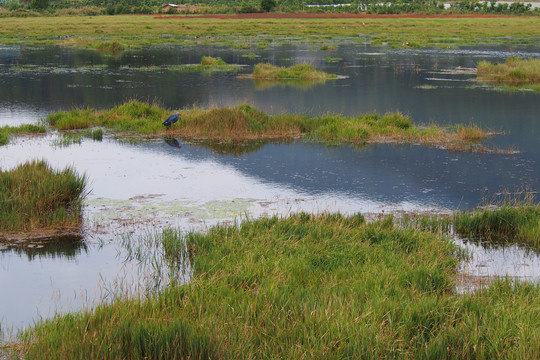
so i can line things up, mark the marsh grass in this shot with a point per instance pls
(244, 122)
(513, 72)
(7, 131)
(34, 198)
(135, 30)
(301, 71)
(208, 64)
(317, 286)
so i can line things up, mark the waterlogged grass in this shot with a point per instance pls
(507, 224)
(208, 64)
(324, 287)
(135, 30)
(7, 131)
(514, 72)
(301, 72)
(35, 198)
(243, 122)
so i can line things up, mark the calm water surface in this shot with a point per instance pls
(154, 184)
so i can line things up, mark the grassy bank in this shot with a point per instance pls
(36, 199)
(244, 122)
(6, 132)
(514, 72)
(301, 71)
(307, 286)
(136, 30)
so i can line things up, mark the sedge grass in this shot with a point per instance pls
(307, 286)
(514, 72)
(507, 224)
(244, 122)
(35, 198)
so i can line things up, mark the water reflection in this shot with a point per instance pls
(60, 247)
(172, 142)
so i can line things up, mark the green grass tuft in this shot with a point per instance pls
(34, 197)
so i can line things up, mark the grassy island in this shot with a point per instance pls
(514, 72)
(300, 72)
(36, 200)
(243, 122)
(316, 286)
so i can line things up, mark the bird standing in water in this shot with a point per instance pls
(172, 119)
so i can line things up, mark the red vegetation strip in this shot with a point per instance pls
(325, 16)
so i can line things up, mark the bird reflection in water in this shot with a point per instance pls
(172, 142)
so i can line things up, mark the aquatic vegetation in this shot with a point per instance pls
(300, 71)
(7, 131)
(244, 122)
(326, 285)
(34, 198)
(332, 59)
(514, 72)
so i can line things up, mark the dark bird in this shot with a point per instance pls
(172, 119)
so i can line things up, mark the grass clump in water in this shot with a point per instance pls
(509, 223)
(325, 285)
(514, 72)
(302, 71)
(7, 131)
(207, 64)
(34, 197)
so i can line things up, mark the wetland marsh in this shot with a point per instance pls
(140, 187)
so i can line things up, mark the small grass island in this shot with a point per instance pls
(37, 201)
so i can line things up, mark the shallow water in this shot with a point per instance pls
(137, 187)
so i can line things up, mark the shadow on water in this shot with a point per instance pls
(68, 247)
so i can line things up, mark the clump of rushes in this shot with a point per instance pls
(301, 71)
(509, 223)
(34, 198)
(211, 61)
(328, 286)
(7, 131)
(244, 122)
(514, 72)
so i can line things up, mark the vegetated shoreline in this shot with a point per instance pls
(329, 285)
(514, 72)
(243, 122)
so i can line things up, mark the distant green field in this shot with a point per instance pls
(137, 30)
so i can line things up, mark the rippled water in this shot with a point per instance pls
(156, 184)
